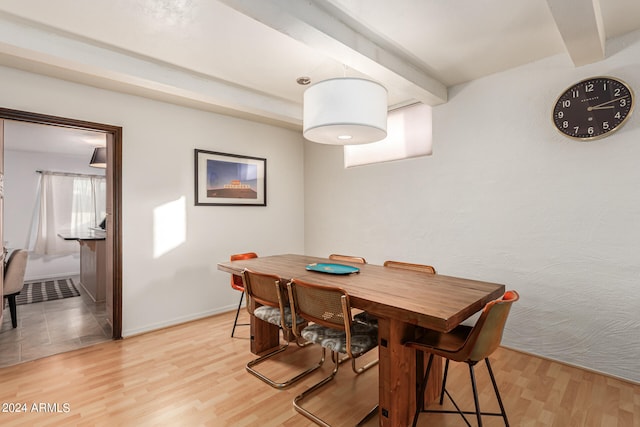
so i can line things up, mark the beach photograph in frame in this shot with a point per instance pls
(229, 179)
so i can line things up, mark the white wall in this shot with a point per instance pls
(21, 194)
(158, 156)
(506, 198)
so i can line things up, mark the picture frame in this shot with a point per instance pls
(223, 179)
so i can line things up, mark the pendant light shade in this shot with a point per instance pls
(345, 111)
(99, 158)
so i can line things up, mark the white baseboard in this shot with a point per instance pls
(127, 333)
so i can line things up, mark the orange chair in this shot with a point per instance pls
(238, 285)
(347, 258)
(469, 345)
(408, 266)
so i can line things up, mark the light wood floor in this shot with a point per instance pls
(193, 374)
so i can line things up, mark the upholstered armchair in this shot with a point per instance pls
(14, 280)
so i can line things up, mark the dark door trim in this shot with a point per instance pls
(115, 171)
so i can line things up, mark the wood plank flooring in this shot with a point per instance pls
(193, 375)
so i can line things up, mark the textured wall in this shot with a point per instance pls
(506, 198)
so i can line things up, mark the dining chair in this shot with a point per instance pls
(464, 344)
(347, 258)
(238, 285)
(362, 317)
(14, 281)
(328, 310)
(369, 319)
(267, 301)
(409, 266)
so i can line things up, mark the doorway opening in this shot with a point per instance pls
(113, 174)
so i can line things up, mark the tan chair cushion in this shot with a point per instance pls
(14, 272)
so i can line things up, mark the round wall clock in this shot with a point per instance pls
(593, 108)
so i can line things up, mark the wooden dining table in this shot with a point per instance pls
(402, 300)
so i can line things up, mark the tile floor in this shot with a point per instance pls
(52, 327)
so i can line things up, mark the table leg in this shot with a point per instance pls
(397, 374)
(432, 393)
(264, 335)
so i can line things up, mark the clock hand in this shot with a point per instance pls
(600, 108)
(609, 102)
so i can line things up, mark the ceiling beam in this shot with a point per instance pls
(339, 36)
(36, 49)
(580, 25)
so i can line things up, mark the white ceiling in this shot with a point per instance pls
(242, 57)
(23, 136)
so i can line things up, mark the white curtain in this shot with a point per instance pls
(68, 204)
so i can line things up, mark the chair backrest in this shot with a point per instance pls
(14, 272)
(325, 305)
(236, 281)
(347, 258)
(264, 289)
(487, 332)
(408, 266)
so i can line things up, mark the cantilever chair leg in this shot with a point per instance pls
(361, 369)
(336, 360)
(290, 381)
(347, 358)
(340, 361)
(299, 398)
(235, 322)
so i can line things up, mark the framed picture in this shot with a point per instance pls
(230, 179)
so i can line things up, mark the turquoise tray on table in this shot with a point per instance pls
(332, 268)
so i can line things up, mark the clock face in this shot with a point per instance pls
(593, 108)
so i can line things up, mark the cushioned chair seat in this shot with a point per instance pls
(363, 338)
(272, 315)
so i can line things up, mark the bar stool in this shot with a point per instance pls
(469, 345)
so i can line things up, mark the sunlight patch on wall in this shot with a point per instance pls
(169, 226)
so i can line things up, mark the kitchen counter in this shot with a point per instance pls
(93, 273)
(89, 234)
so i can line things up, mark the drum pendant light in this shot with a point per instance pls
(345, 111)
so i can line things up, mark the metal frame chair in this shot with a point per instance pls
(329, 309)
(238, 285)
(362, 317)
(267, 290)
(469, 345)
